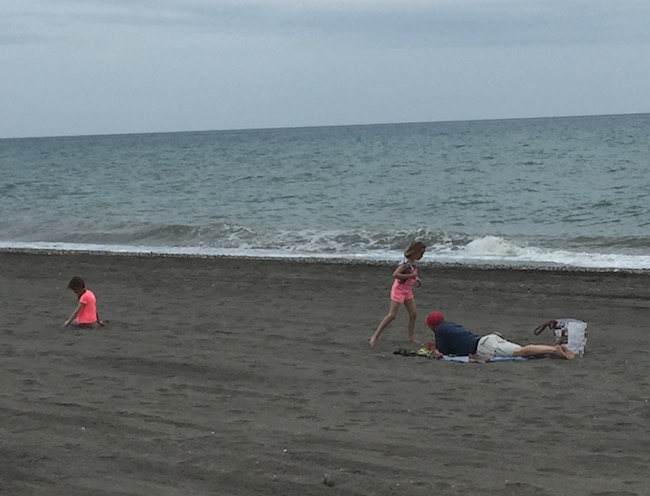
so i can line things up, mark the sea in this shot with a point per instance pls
(564, 192)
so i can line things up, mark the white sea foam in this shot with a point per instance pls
(488, 251)
(494, 249)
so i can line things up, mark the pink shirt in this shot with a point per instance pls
(88, 312)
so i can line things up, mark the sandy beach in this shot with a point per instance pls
(249, 377)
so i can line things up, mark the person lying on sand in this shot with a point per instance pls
(453, 339)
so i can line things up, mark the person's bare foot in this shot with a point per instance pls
(562, 351)
(372, 341)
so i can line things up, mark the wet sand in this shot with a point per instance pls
(248, 377)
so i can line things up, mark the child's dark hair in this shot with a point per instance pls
(415, 247)
(76, 283)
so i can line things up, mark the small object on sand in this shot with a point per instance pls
(327, 481)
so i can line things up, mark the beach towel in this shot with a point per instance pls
(426, 352)
(465, 359)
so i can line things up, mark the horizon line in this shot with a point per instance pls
(316, 126)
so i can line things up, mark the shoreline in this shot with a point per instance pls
(487, 266)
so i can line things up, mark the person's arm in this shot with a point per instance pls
(436, 354)
(97, 318)
(434, 351)
(74, 315)
(401, 275)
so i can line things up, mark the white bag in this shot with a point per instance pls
(572, 332)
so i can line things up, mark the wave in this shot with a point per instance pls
(443, 247)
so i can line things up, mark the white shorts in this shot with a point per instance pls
(494, 345)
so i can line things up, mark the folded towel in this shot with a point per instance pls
(465, 359)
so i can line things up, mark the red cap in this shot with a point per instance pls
(434, 319)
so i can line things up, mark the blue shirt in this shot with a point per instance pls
(454, 339)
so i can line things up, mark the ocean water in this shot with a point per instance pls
(571, 192)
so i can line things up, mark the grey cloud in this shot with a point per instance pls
(398, 24)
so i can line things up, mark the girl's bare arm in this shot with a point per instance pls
(74, 315)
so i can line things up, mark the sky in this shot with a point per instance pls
(79, 67)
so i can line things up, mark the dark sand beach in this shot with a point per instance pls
(247, 377)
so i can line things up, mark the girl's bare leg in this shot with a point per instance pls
(392, 313)
(413, 315)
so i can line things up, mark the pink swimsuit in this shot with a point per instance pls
(403, 290)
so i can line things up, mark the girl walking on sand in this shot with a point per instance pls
(406, 276)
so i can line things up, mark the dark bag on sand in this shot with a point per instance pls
(571, 332)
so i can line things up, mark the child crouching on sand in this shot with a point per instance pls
(85, 315)
(406, 276)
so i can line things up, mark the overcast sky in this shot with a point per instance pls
(70, 67)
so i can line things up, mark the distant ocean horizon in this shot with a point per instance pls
(569, 192)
